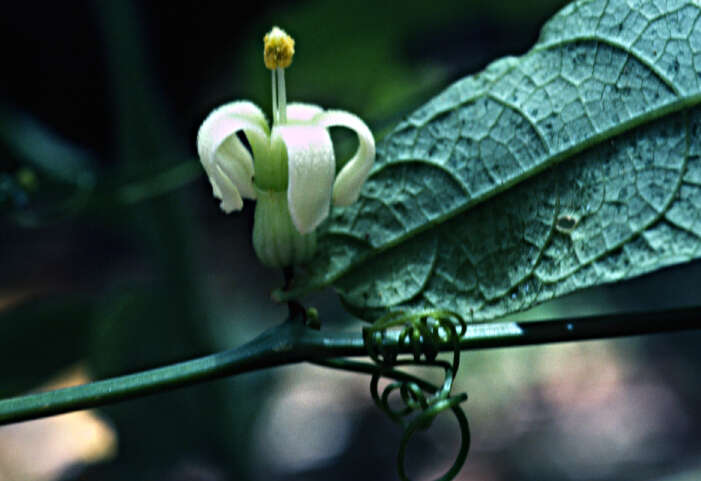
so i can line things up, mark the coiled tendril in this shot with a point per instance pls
(422, 402)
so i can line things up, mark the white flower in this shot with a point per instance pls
(294, 156)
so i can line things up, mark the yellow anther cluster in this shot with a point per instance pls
(279, 49)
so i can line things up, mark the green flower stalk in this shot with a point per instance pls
(292, 170)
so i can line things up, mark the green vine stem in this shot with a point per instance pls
(293, 342)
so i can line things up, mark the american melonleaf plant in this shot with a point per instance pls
(574, 165)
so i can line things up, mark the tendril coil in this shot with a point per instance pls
(421, 401)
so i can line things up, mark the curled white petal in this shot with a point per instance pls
(311, 168)
(227, 162)
(352, 176)
(224, 189)
(245, 109)
(299, 112)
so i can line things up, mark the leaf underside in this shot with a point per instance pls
(577, 164)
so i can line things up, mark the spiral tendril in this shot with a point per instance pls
(422, 333)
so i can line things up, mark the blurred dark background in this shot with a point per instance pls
(115, 257)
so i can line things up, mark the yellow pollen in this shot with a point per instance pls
(278, 49)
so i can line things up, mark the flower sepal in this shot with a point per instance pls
(276, 240)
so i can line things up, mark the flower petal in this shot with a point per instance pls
(224, 189)
(299, 112)
(352, 176)
(311, 167)
(227, 162)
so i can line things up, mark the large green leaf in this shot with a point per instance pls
(574, 165)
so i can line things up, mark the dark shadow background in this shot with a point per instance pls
(115, 256)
